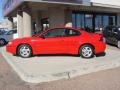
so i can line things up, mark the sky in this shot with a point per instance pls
(1, 13)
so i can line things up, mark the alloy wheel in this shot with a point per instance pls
(24, 51)
(86, 51)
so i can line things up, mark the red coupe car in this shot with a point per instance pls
(62, 40)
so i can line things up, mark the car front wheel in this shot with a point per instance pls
(24, 51)
(86, 51)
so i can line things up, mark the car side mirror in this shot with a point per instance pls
(42, 36)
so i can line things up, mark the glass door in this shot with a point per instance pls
(112, 20)
(93, 22)
(89, 22)
(98, 23)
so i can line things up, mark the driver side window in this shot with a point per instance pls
(70, 32)
(55, 33)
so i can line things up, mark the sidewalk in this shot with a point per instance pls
(48, 68)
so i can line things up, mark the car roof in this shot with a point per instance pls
(62, 27)
(57, 28)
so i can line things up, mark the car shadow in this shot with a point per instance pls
(56, 55)
(101, 54)
(112, 45)
(66, 55)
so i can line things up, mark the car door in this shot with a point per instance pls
(71, 41)
(51, 42)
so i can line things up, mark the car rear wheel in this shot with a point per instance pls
(118, 44)
(86, 51)
(2, 42)
(24, 51)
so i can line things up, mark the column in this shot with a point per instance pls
(20, 24)
(38, 22)
(118, 19)
(10, 23)
(56, 16)
(27, 23)
(68, 18)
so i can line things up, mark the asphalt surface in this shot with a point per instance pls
(103, 80)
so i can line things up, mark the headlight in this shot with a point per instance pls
(10, 43)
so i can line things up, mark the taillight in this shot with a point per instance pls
(101, 39)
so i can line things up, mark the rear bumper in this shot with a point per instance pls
(100, 47)
(11, 49)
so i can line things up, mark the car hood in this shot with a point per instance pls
(23, 40)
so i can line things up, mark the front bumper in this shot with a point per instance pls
(11, 49)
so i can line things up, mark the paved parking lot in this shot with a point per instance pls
(103, 80)
(47, 68)
(9, 80)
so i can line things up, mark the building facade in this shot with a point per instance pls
(5, 24)
(33, 16)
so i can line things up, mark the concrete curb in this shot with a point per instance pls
(69, 73)
(26, 77)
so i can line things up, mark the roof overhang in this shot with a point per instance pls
(105, 5)
(70, 2)
(8, 6)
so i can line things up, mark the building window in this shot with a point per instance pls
(89, 22)
(98, 22)
(93, 21)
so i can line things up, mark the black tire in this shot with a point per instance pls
(88, 53)
(2, 42)
(24, 51)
